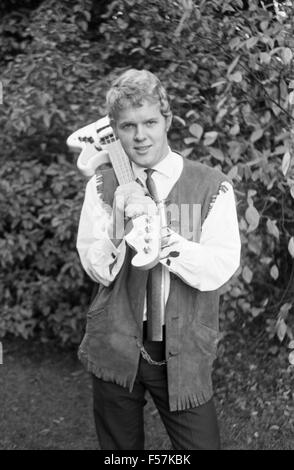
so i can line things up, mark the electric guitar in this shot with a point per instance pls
(144, 237)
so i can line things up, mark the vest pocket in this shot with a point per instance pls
(97, 321)
(207, 309)
(206, 338)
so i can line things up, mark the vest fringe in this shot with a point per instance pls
(105, 374)
(184, 402)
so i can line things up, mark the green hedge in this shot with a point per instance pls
(228, 68)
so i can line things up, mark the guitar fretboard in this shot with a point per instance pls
(118, 158)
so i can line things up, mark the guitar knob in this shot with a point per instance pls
(147, 239)
(148, 228)
(146, 249)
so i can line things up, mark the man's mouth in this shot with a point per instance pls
(143, 148)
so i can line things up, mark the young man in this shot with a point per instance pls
(175, 367)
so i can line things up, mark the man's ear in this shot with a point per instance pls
(168, 121)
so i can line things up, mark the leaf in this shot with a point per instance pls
(279, 150)
(291, 98)
(222, 112)
(247, 274)
(274, 272)
(286, 163)
(292, 191)
(233, 65)
(196, 130)
(190, 140)
(46, 119)
(221, 102)
(291, 246)
(274, 427)
(255, 311)
(287, 55)
(234, 42)
(265, 260)
(291, 344)
(291, 358)
(218, 83)
(209, 137)
(191, 113)
(251, 42)
(233, 173)
(252, 217)
(186, 152)
(217, 153)
(179, 119)
(264, 25)
(284, 310)
(236, 77)
(265, 58)
(256, 135)
(281, 329)
(235, 129)
(272, 228)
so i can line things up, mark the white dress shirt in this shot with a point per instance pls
(206, 265)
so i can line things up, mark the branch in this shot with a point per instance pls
(250, 73)
(188, 7)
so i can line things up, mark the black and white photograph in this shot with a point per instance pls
(147, 227)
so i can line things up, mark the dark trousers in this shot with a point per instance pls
(119, 414)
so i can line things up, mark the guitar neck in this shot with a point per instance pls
(119, 160)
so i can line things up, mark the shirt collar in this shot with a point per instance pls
(164, 167)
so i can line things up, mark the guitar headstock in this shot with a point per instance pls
(144, 238)
(87, 141)
(106, 136)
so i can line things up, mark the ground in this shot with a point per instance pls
(46, 398)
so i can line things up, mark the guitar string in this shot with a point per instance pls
(119, 160)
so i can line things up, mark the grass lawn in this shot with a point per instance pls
(46, 399)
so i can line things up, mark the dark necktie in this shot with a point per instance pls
(155, 291)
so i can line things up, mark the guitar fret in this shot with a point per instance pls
(119, 159)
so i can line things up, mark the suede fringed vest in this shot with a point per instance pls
(111, 345)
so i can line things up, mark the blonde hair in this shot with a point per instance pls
(132, 88)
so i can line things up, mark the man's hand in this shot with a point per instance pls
(130, 201)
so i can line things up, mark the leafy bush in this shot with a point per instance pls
(41, 280)
(228, 68)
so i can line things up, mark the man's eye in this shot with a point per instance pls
(151, 122)
(128, 126)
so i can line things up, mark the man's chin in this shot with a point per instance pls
(143, 160)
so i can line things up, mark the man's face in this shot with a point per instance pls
(143, 133)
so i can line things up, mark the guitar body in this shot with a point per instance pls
(98, 145)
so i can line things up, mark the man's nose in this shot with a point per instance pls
(139, 135)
